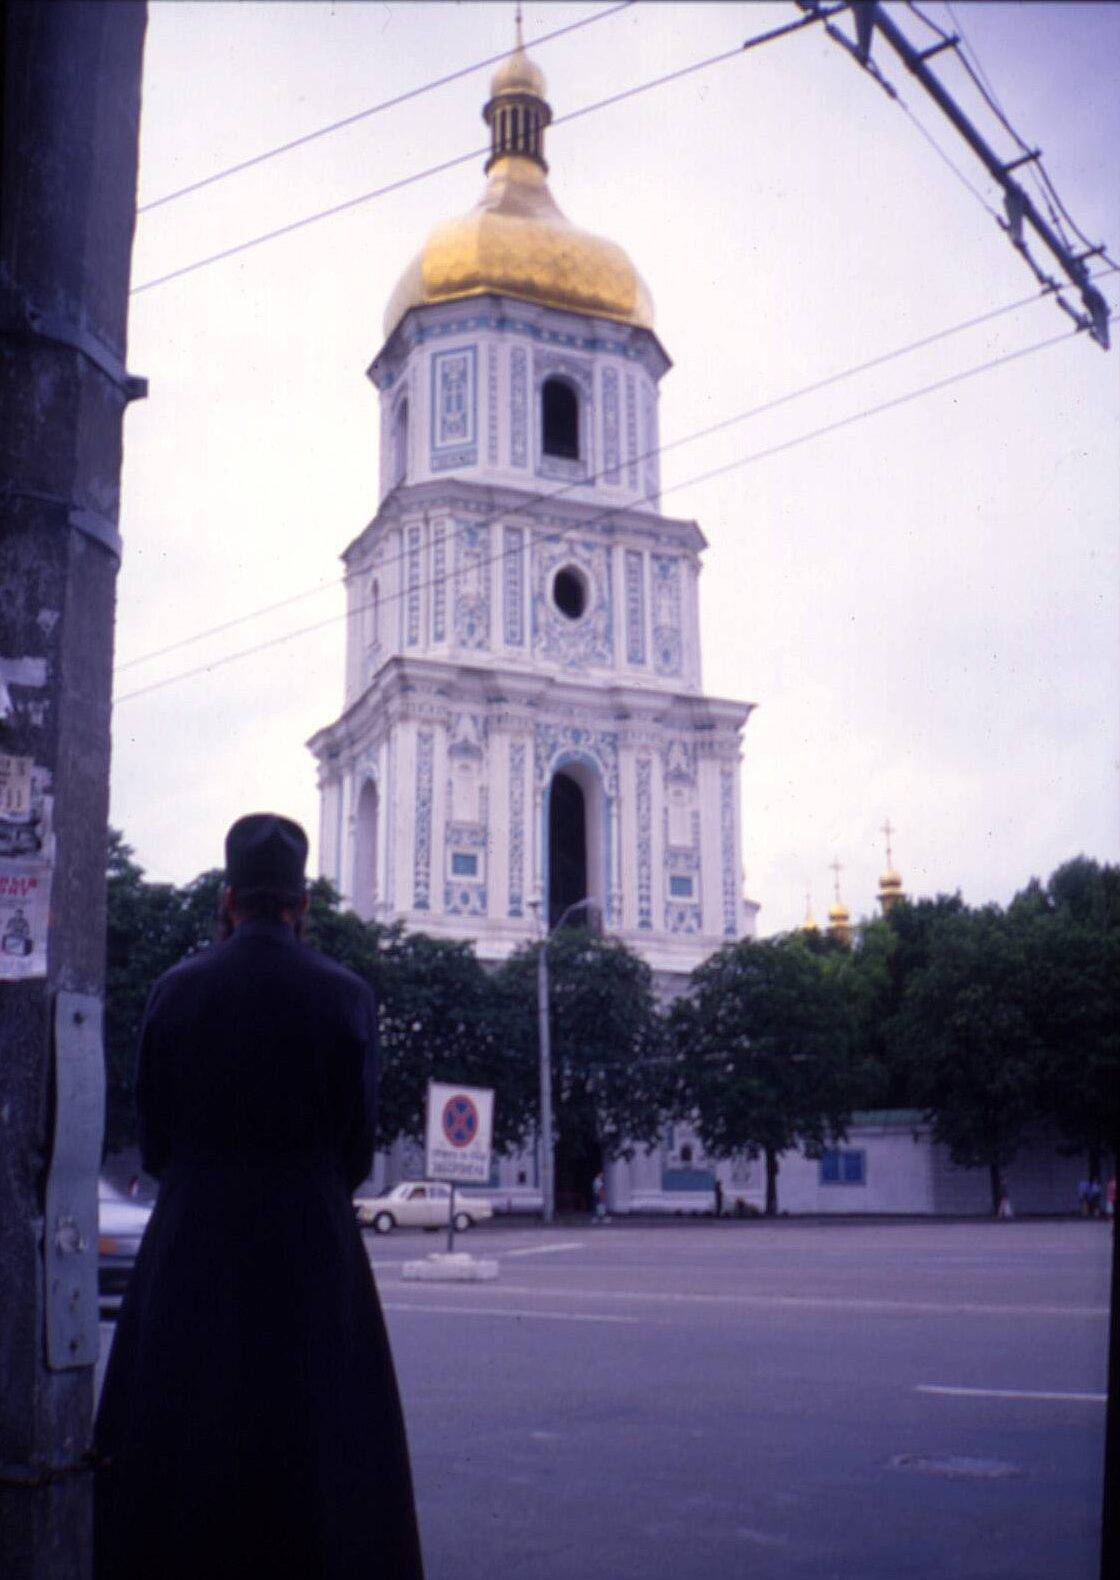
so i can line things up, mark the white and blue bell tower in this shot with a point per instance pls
(523, 716)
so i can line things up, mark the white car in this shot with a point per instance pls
(420, 1204)
(120, 1228)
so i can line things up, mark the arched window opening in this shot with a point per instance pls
(560, 420)
(400, 443)
(373, 613)
(567, 853)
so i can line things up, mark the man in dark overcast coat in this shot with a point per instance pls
(250, 1422)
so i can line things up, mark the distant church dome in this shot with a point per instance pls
(890, 884)
(515, 241)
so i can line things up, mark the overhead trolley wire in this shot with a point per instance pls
(545, 497)
(1043, 182)
(477, 153)
(825, 429)
(373, 109)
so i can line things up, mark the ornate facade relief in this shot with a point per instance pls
(516, 828)
(513, 586)
(635, 607)
(518, 407)
(412, 583)
(665, 599)
(727, 852)
(439, 582)
(644, 810)
(454, 402)
(472, 586)
(611, 434)
(422, 849)
(576, 643)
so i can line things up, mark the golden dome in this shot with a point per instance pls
(891, 880)
(515, 241)
(518, 74)
(838, 915)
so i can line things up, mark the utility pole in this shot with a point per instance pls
(869, 17)
(68, 154)
(544, 1045)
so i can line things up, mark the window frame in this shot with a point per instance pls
(560, 381)
(843, 1157)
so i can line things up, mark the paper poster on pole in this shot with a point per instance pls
(25, 894)
(459, 1133)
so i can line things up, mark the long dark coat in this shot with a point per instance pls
(250, 1423)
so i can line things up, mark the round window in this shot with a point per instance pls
(569, 592)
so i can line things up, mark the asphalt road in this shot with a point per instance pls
(803, 1401)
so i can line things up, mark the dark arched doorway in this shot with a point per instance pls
(567, 848)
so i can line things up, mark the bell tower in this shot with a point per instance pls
(523, 712)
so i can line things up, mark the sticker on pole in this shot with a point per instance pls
(459, 1133)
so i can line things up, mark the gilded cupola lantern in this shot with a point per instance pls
(890, 883)
(839, 917)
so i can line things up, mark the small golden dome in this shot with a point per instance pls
(891, 880)
(515, 241)
(838, 915)
(518, 74)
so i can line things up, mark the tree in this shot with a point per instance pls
(1074, 1001)
(762, 1040)
(607, 1074)
(890, 950)
(965, 1035)
(442, 1020)
(149, 927)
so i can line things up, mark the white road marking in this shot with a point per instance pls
(1010, 1393)
(544, 1250)
(507, 1311)
(800, 1302)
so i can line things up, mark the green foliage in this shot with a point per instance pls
(150, 926)
(965, 1035)
(763, 1045)
(991, 1021)
(441, 1020)
(441, 1016)
(608, 1076)
(1074, 926)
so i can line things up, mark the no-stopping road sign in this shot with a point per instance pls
(459, 1133)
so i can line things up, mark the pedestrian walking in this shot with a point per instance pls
(718, 1189)
(250, 1422)
(599, 1199)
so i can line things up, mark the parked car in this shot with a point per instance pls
(420, 1204)
(120, 1228)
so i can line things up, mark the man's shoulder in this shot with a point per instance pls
(332, 971)
(208, 966)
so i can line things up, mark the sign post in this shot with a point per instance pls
(459, 1134)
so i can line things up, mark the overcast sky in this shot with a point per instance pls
(923, 605)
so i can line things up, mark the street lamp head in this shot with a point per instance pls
(594, 914)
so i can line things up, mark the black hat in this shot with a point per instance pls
(266, 851)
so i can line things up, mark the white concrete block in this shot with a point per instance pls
(457, 1267)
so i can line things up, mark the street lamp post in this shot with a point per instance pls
(548, 1183)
